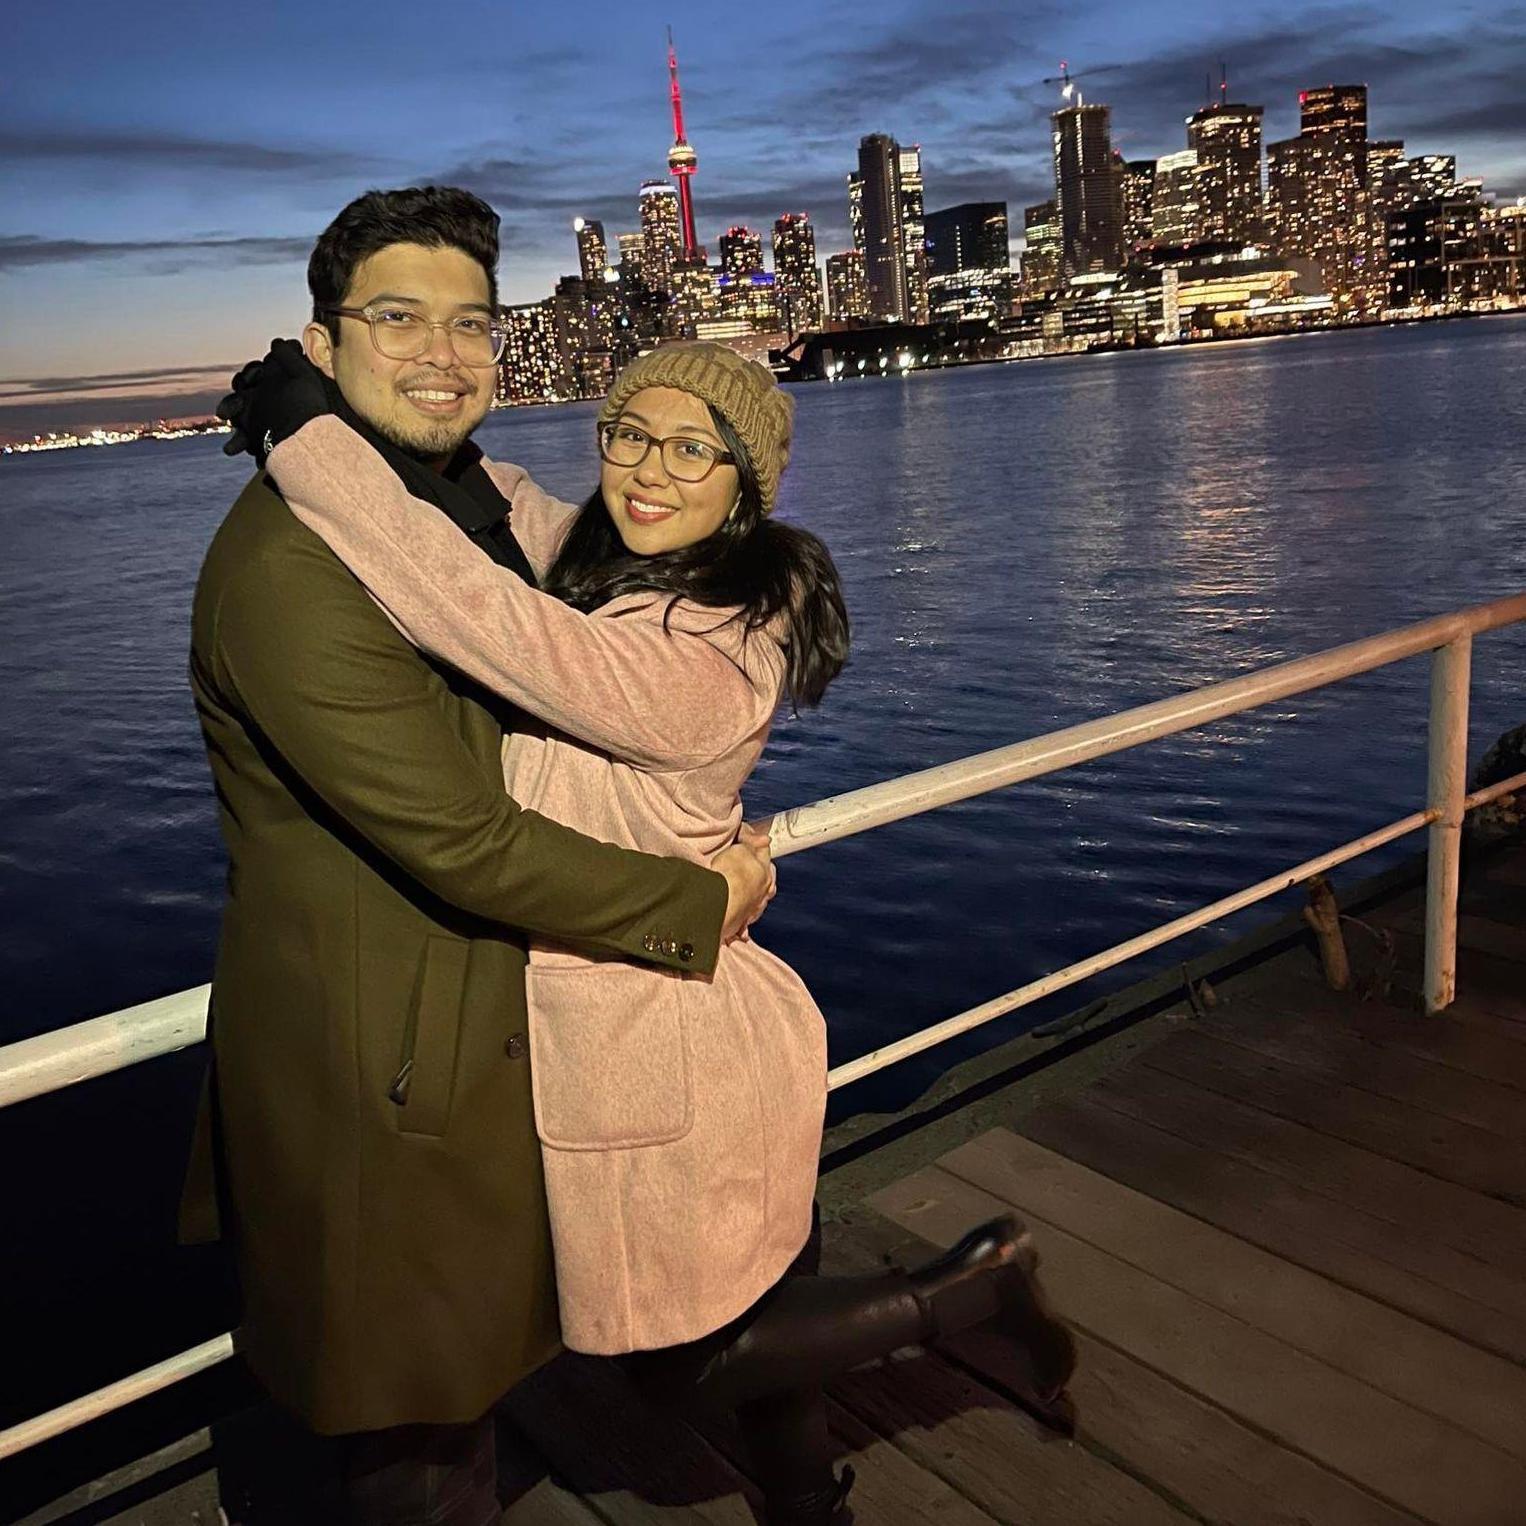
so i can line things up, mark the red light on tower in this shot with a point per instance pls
(682, 160)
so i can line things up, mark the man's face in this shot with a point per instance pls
(430, 404)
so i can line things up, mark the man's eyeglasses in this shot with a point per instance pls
(402, 333)
(684, 459)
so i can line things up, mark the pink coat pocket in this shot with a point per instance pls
(610, 1063)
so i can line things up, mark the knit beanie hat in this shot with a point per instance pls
(743, 392)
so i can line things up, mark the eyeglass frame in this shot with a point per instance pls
(722, 457)
(494, 327)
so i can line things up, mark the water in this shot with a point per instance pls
(1022, 547)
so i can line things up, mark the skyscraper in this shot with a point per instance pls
(593, 252)
(1317, 195)
(969, 265)
(856, 209)
(914, 232)
(1086, 190)
(1138, 204)
(741, 251)
(660, 233)
(847, 290)
(879, 169)
(1177, 214)
(1227, 139)
(1041, 249)
(795, 272)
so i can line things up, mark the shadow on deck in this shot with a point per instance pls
(1290, 1231)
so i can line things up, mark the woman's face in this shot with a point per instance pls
(652, 510)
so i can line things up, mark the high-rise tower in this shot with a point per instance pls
(879, 171)
(682, 161)
(1087, 190)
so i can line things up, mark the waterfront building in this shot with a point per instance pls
(1432, 176)
(856, 209)
(1041, 250)
(751, 298)
(662, 240)
(1455, 252)
(638, 310)
(1087, 191)
(1177, 217)
(847, 287)
(795, 272)
(1227, 139)
(741, 251)
(1317, 195)
(879, 169)
(694, 295)
(969, 262)
(593, 252)
(1138, 193)
(533, 369)
(914, 232)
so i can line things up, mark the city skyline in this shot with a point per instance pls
(154, 296)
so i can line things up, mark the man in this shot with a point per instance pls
(368, 1128)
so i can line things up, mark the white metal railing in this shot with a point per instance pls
(51, 1061)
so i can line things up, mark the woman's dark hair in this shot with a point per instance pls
(437, 216)
(751, 562)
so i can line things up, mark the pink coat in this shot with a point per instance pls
(679, 1117)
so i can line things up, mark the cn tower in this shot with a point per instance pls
(682, 160)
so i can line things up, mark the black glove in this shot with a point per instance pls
(273, 398)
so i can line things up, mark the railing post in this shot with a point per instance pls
(1446, 789)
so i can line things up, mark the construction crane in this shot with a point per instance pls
(1067, 81)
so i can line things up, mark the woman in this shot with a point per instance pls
(680, 1119)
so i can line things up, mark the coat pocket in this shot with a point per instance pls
(609, 1056)
(431, 1039)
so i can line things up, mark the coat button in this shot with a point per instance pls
(686, 952)
(649, 943)
(515, 1046)
(670, 947)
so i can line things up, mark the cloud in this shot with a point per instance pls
(145, 151)
(165, 379)
(169, 255)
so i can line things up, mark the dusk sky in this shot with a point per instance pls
(165, 169)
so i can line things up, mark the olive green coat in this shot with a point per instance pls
(369, 1127)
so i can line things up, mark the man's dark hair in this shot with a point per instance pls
(437, 216)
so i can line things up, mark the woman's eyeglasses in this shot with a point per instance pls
(684, 459)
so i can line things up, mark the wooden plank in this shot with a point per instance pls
(1302, 999)
(1494, 984)
(993, 1453)
(1409, 1458)
(1475, 1390)
(892, 1488)
(1422, 1205)
(628, 1463)
(1416, 1273)
(1455, 1152)
(1346, 1057)
(1192, 1450)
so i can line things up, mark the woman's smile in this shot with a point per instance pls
(647, 511)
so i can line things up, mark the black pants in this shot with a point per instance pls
(784, 1431)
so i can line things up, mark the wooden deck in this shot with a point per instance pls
(1291, 1234)
(1290, 1231)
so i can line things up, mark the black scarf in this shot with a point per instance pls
(463, 491)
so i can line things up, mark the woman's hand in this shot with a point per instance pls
(272, 399)
(751, 881)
